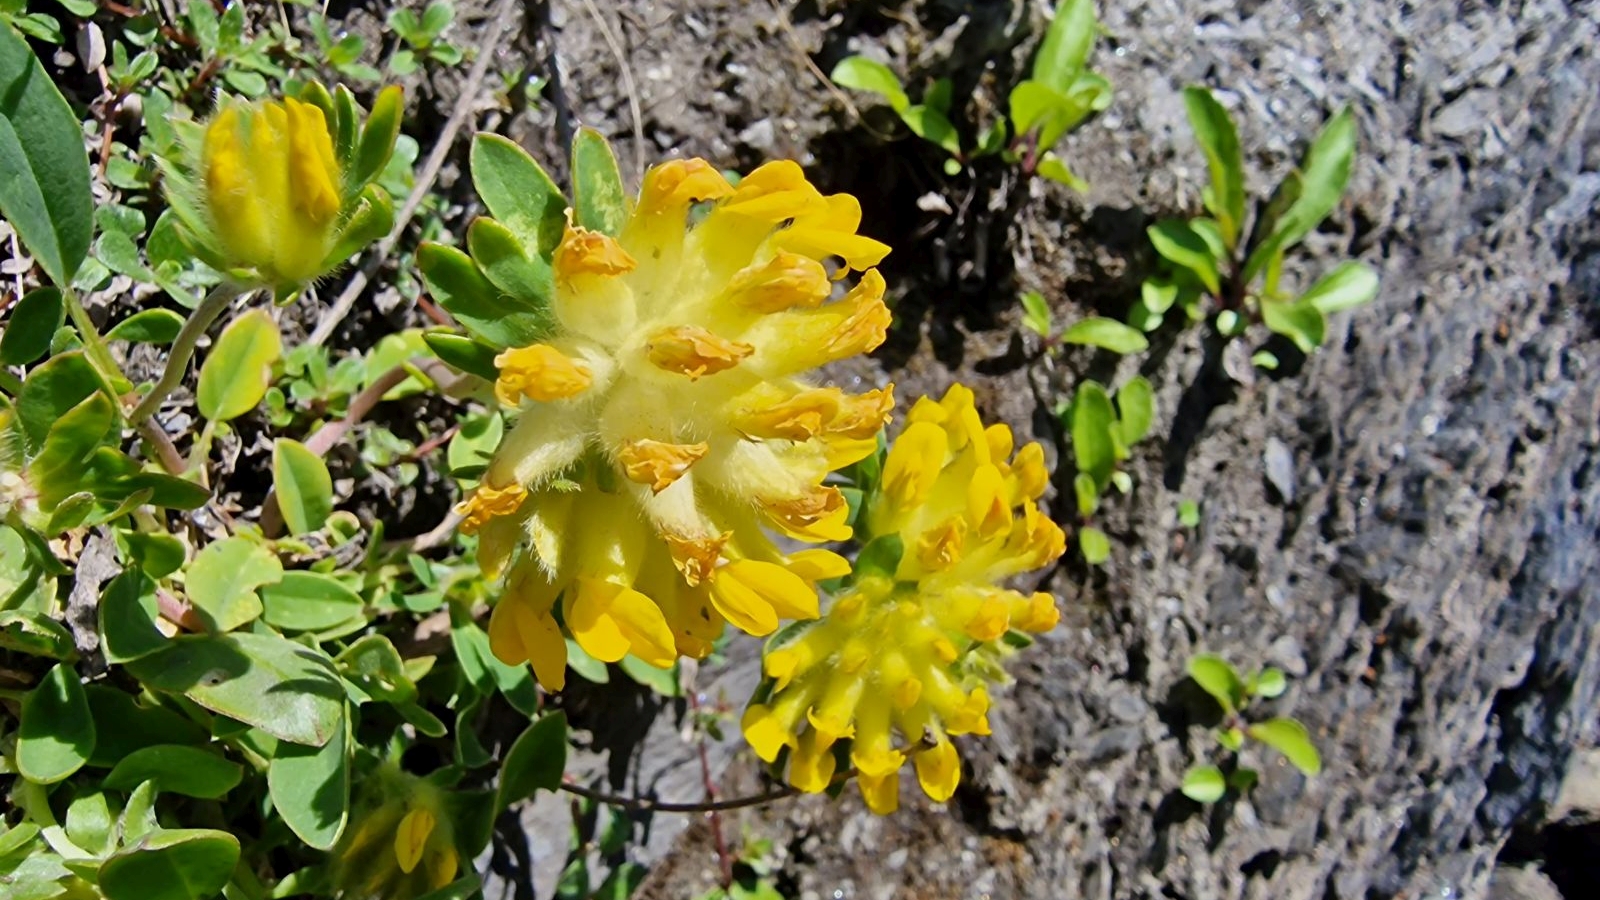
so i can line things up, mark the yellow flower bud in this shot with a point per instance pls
(273, 188)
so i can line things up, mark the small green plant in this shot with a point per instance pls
(1094, 331)
(1216, 266)
(424, 38)
(1103, 428)
(1207, 783)
(1059, 96)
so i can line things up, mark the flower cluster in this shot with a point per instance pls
(401, 844)
(274, 197)
(667, 422)
(904, 658)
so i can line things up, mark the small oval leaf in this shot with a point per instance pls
(303, 486)
(238, 371)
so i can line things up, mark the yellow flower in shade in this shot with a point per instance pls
(905, 657)
(400, 845)
(668, 422)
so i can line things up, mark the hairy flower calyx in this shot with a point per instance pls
(666, 420)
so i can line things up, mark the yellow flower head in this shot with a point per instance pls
(667, 421)
(905, 657)
(272, 192)
(400, 845)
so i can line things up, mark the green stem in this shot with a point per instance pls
(92, 341)
(183, 348)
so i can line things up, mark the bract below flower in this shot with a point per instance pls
(905, 658)
(668, 422)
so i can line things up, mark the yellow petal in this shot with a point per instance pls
(673, 185)
(798, 417)
(765, 732)
(540, 372)
(818, 565)
(998, 437)
(939, 548)
(693, 351)
(589, 253)
(972, 716)
(411, 836)
(913, 464)
(811, 765)
(442, 866)
(775, 191)
(523, 630)
(939, 770)
(753, 593)
(1039, 614)
(486, 502)
(610, 621)
(696, 557)
(314, 172)
(831, 231)
(1029, 472)
(657, 463)
(787, 281)
(990, 621)
(863, 415)
(881, 793)
(817, 515)
(987, 505)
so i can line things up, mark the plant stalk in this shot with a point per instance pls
(183, 348)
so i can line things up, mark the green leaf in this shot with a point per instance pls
(1179, 243)
(463, 352)
(1036, 313)
(1188, 513)
(1349, 285)
(53, 387)
(310, 788)
(1310, 193)
(287, 690)
(303, 486)
(1055, 168)
(535, 761)
(1301, 323)
(1095, 545)
(465, 888)
(881, 556)
(45, 192)
(461, 288)
(33, 322)
(1136, 404)
(222, 581)
(56, 734)
(1270, 683)
(308, 601)
(1204, 784)
(371, 219)
(1290, 738)
(171, 864)
(587, 667)
(1220, 142)
(148, 326)
(129, 610)
(159, 554)
(931, 125)
(90, 823)
(60, 469)
(1108, 334)
(1231, 738)
(373, 666)
(238, 370)
(518, 192)
(176, 769)
(378, 137)
(1087, 493)
(862, 74)
(1219, 679)
(662, 681)
(1066, 45)
(123, 725)
(1091, 421)
(525, 280)
(1243, 779)
(1265, 360)
(599, 202)
(35, 634)
(1034, 102)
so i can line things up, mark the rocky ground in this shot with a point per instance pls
(1406, 523)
